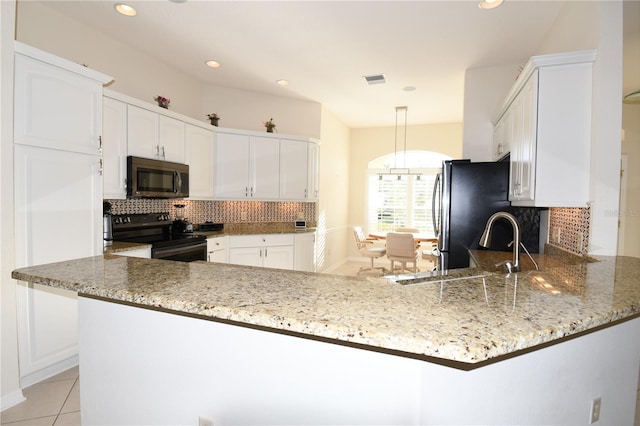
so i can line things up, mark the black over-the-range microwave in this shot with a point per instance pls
(147, 178)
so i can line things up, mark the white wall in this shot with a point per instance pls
(484, 92)
(136, 74)
(242, 109)
(333, 206)
(10, 392)
(140, 76)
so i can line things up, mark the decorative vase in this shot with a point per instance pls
(269, 129)
(214, 121)
(162, 105)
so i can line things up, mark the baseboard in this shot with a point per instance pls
(50, 371)
(11, 399)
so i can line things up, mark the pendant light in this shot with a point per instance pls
(404, 170)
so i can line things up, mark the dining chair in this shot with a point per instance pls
(431, 252)
(366, 248)
(401, 247)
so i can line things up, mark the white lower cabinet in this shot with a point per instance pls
(305, 252)
(268, 250)
(217, 249)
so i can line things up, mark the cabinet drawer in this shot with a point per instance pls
(261, 240)
(216, 243)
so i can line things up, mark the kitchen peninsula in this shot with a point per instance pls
(168, 343)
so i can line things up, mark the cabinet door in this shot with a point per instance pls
(294, 170)
(264, 166)
(280, 257)
(232, 166)
(499, 148)
(114, 148)
(55, 108)
(58, 216)
(528, 146)
(142, 133)
(199, 147)
(248, 256)
(523, 141)
(217, 249)
(313, 185)
(305, 252)
(171, 139)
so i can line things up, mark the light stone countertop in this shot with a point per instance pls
(464, 323)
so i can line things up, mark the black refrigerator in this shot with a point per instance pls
(465, 195)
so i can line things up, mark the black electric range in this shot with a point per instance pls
(156, 229)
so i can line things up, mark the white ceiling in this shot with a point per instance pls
(324, 48)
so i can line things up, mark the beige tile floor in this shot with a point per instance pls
(56, 401)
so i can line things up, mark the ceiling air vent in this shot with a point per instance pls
(375, 79)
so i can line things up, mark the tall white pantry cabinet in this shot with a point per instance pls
(58, 197)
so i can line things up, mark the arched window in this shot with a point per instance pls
(401, 199)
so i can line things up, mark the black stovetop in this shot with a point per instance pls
(150, 228)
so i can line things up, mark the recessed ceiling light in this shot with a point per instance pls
(125, 9)
(213, 64)
(409, 88)
(282, 82)
(489, 4)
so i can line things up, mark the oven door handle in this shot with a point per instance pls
(164, 251)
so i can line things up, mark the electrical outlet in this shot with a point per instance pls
(243, 215)
(557, 232)
(203, 421)
(595, 410)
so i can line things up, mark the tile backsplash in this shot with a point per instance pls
(220, 211)
(569, 228)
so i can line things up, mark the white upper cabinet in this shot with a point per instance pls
(152, 135)
(171, 139)
(142, 132)
(55, 107)
(114, 148)
(247, 167)
(313, 179)
(294, 169)
(546, 122)
(232, 166)
(199, 152)
(265, 168)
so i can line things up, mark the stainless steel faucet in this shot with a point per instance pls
(485, 239)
